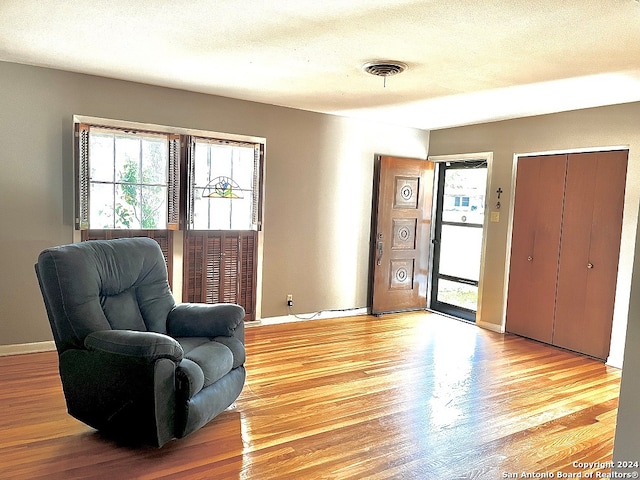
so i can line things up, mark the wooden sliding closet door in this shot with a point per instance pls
(589, 256)
(535, 246)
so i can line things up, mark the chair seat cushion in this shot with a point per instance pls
(236, 347)
(206, 361)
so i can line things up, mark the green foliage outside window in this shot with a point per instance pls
(129, 181)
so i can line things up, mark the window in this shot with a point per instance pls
(126, 179)
(461, 201)
(224, 181)
(129, 185)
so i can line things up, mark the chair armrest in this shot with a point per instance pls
(149, 346)
(205, 320)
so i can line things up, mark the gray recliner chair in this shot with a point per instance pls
(133, 364)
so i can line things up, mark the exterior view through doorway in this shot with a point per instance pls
(457, 237)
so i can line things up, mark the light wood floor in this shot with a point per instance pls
(406, 396)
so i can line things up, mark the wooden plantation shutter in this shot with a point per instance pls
(256, 212)
(190, 174)
(82, 176)
(227, 271)
(248, 272)
(220, 267)
(173, 188)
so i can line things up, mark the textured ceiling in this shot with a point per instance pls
(468, 61)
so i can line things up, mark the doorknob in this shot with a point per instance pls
(589, 265)
(529, 258)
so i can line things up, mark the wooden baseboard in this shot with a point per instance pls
(491, 326)
(615, 362)
(20, 348)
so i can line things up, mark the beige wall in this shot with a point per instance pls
(319, 177)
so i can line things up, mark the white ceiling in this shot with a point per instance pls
(469, 61)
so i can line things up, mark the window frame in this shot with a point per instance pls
(83, 175)
(257, 184)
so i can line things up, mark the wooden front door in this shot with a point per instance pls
(402, 228)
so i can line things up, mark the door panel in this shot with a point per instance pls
(457, 237)
(590, 251)
(535, 247)
(401, 234)
(460, 251)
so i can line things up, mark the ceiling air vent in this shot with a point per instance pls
(384, 69)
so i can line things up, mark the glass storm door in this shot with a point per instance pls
(457, 238)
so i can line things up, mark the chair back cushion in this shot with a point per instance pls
(102, 285)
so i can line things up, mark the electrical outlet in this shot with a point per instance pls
(289, 300)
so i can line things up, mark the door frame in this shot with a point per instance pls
(492, 206)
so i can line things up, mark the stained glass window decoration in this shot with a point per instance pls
(223, 187)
